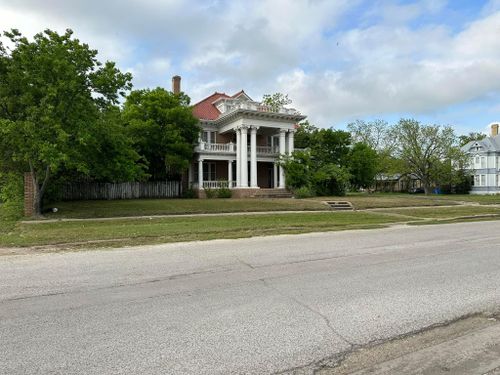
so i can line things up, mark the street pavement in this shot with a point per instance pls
(252, 306)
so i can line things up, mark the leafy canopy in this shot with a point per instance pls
(163, 129)
(54, 97)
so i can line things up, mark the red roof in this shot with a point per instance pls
(205, 110)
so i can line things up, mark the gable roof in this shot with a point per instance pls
(206, 110)
(488, 144)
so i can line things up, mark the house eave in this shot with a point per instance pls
(248, 113)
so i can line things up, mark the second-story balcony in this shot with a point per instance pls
(230, 148)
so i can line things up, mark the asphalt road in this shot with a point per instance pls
(250, 306)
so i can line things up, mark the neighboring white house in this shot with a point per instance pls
(241, 143)
(485, 162)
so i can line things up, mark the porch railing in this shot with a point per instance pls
(215, 184)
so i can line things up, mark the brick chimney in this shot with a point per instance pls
(494, 129)
(176, 84)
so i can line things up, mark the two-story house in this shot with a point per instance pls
(240, 144)
(485, 162)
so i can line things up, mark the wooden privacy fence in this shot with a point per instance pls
(125, 190)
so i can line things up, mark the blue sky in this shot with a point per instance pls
(339, 60)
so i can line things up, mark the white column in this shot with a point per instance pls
(244, 157)
(230, 174)
(282, 152)
(200, 174)
(253, 157)
(275, 175)
(238, 158)
(290, 141)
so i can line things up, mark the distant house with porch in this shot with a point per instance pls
(240, 143)
(485, 162)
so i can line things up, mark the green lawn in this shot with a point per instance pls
(135, 231)
(161, 230)
(386, 200)
(151, 207)
(481, 199)
(444, 212)
(147, 207)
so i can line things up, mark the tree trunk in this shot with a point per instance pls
(37, 200)
(427, 187)
(39, 190)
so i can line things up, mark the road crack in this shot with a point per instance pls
(311, 309)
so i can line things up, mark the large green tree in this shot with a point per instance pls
(163, 129)
(363, 165)
(330, 146)
(322, 169)
(54, 95)
(428, 151)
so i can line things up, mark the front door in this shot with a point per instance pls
(270, 175)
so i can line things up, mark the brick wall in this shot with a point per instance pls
(29, 195)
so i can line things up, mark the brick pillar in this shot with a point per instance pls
(29, 195)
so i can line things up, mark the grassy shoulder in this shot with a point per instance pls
(152, 207)
(445, 212)
(116, 232)
(388, 200)
(99, 233)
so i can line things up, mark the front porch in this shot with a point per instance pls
(246, 159)
(216, 174)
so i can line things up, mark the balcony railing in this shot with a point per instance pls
(231, 148)
(267, 150)
(217, 147)
(254, 106)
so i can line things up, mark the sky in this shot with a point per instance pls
(436, 61)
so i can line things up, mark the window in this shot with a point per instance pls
(476, 180)
(476, 162)
(209, 136)
(209, 171)
(497, 180)
(483, 180)
(483, 162)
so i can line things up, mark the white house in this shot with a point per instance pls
(240, 144)
(485, 162)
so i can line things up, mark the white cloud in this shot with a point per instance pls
(401, 70)
(376, 62)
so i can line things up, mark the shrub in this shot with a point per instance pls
(331, 179)
(189, 194)
(224, 191)
(11, 187)
(303, 192)
(210, 193)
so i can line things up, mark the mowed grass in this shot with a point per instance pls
(151, 207)
(102, 233)
(481, 199)
(64, 235)
(445, 212)
(387, 200)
